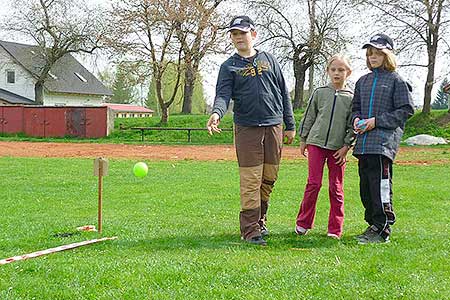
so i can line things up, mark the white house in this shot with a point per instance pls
(68, 84)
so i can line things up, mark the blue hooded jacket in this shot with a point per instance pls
(258, 89)
(387, 97)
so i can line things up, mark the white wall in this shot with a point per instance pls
(53, 99)
(24, 85)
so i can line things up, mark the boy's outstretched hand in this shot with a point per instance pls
(213, 123)
(289, 136)
(341, 155)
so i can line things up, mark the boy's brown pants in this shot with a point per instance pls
(258, 151)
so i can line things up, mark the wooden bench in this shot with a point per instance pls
(188, 129)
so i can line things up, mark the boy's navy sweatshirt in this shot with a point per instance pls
(258, 89)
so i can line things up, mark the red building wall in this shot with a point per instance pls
(11, 119)
(41, 121)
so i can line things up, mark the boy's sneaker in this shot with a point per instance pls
(257, 240)
(333, 236)
(264, 231)
(300, 230)
(372, 236)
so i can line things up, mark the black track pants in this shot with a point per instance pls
(375, 173)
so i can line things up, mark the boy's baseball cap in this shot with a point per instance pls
(380, 41)
(242, 23)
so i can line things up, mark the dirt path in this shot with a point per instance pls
(151, 152)
(163, 152)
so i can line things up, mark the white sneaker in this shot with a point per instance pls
(333, 236)
(300, 230)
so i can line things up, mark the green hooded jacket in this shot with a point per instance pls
(327, 120)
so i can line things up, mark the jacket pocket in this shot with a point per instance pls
(390, 138)
(271, 105)
(242, 105)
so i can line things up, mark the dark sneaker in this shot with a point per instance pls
(372, 236)
(264, 231)
(257, 240)
(360, 236)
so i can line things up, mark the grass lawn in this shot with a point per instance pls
(437, 123)
(178, 235)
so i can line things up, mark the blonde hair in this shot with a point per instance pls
(341, 57)
(389, 61)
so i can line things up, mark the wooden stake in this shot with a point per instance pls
(100, 170)
(53, 250)
(100, 192)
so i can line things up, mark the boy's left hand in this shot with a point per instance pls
(289, 136)
(340, 155)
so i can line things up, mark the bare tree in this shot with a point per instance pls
(312, 32)
(295, 39)
(197, 24)
(416, 26)
(58, 27)
(146, 35)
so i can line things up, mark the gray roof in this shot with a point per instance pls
(14, 98)
(65, 70)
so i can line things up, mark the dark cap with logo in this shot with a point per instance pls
(242, 23)
(380, 41)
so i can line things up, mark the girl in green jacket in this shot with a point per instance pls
(326, 135)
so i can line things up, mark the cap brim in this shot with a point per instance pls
(244, 29)
(378, 46)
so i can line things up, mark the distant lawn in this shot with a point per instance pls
(180, 137)
(178, 235)
(437, 124)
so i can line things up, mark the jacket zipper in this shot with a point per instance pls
(331, 118)
(372, 93)
(255, 66)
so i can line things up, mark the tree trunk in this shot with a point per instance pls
(164, 114)
(39, 93)
(312, 41)
(311, 79)
(159, 96)
(299, 74)
(432, 50)
(189, 83)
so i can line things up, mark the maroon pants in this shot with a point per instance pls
(316, 160)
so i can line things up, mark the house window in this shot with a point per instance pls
(10, 76)
(80, 77)
(52, 75)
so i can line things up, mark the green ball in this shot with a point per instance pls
(140, 169)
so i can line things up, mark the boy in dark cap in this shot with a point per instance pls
(253, 79)
(381, 105)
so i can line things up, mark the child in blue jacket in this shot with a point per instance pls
(381, 105)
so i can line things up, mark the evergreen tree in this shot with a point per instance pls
(441, 100)
(106, 77)
(123, 87)
(151, 102)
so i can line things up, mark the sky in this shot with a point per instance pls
(210, 66)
